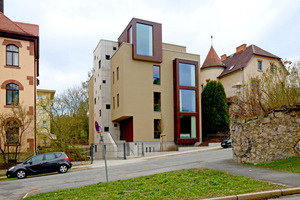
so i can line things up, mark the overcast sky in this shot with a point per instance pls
(71, 29)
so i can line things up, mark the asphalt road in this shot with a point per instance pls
(220, 160)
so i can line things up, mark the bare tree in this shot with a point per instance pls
(14, 124)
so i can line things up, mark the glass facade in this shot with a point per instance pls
(187, 75)
(144, 39)
(187, 100)
(187, 127)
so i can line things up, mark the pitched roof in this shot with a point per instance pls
(10, 26)
(240, 60)
(212, 59)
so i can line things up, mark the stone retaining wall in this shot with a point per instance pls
(265, 139)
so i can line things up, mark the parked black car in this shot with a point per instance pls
(226, 143)
(42, 163)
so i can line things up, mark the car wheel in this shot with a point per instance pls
(63, 169)
(21, 174)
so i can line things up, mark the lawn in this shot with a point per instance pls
(291, 164)
(182, 184)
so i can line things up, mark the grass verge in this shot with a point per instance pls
(182, 184)
(291, 164)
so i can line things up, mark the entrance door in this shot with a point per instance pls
(127, 130)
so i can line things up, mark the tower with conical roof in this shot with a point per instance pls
(211, 68)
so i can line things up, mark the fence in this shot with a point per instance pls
(121, 150)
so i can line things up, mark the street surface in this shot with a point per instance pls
(219, 159)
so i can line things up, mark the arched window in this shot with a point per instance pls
(12, 55)
(12, 132)
(12, 94)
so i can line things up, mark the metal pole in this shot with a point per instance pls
(124, 145)
(92, 153)
(104, 151)
(143, 152)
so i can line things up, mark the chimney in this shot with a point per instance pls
(1, 6)
(241, 48)
(223, 57)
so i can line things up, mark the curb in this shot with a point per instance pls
(260, 195)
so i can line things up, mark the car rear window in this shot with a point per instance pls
(49, 156)
(58, 154)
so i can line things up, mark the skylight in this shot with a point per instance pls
(231, 67)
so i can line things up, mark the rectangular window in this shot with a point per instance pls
(157, 102)
(157, 128)
(40, 96)
(100, 113)
(118, 100)
(113, 102)
(95, 100)
(187, 127)
(144, 39)
(156, 75)
(108, 106)
(117, 73)
(114, 48)
(99, 64)
(106, 129)
(187, 100)
(187, 74)
(44, 124)
(107, 57)
(115, 125)
(259, 65)
(113, 77)
(104, 81)
(272, 68)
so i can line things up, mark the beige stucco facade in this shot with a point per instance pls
(135, 89)
(43, 122)
(25, 77)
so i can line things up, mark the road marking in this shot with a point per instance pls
(31, 191)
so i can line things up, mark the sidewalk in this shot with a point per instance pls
(149, 155)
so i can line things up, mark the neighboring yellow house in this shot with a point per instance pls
(154, 88)
(43, 120)
(19, 69)
(238, 68)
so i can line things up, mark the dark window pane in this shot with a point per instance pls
(157, 128)
(106, 129)
(157, 104)
(9, 98)
(187, 127)
(187, 74)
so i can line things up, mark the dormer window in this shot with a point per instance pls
(144, 39)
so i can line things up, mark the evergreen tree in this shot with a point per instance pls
(215, 113)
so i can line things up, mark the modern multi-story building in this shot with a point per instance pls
(238, 68)
(43, 120)
(100, 85)
(19, 69)
(154, 88)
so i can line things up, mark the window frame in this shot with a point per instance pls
(157, 78)
(12, 90)
(156, 130)
(177, 113)
(259, 65)
(155, 104)
(13, 54)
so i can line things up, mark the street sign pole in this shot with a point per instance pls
(100, 131)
